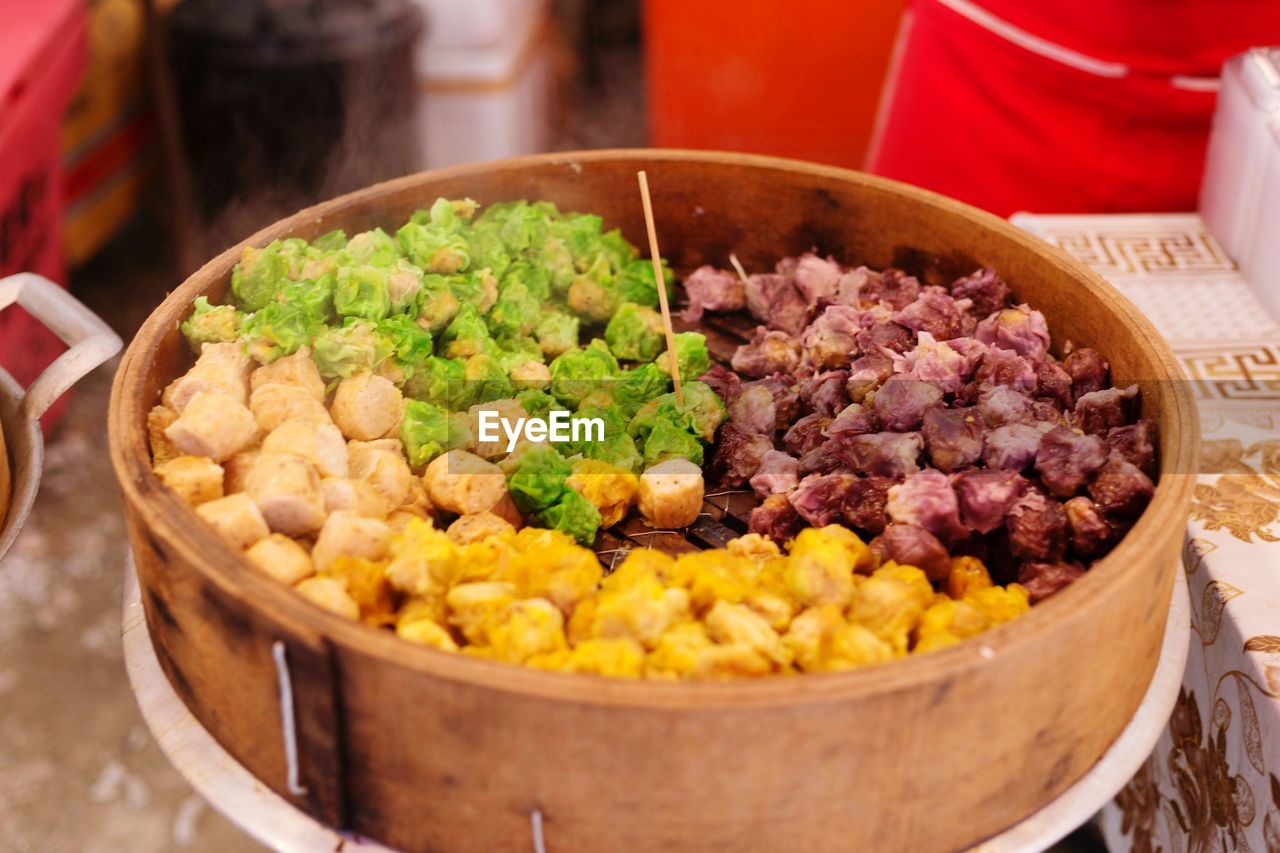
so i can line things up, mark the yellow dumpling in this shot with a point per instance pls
(889, 607)
(820, 568)
(712, 576)
(686, 651)
(641, 561)
(947, 623)
(731, 624)
(367, 585)
(822, 640)
(485, 559)
(530, 627)
(476, 608)
(755, 546)
(429, 607)
(612, 490)
(910, 575)
(639, 610)
(967, 575)
(620, 657)
(424, 560)
(424, 632)
(1000, 603)
(551, 567)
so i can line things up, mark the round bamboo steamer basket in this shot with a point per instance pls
(422, 749)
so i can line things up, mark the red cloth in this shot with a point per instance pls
(981, 118)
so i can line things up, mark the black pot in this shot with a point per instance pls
(280, 103)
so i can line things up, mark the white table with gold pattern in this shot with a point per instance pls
(1213, 781)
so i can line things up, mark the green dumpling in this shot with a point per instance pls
(572, 514)
(211, 324)
(424, 431)
(635, 333)
(539, 479)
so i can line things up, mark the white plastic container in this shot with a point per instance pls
(1231, 190)
(474, 23)
(1260, 264)
(486, 79)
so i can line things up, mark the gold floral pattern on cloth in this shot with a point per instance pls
(1244, 499)
(1213, 781)
(1196, 796)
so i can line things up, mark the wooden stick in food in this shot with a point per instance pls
(737, 265)
(661, 284)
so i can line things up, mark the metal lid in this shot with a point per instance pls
(290, 32)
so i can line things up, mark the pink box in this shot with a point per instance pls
(43, 51)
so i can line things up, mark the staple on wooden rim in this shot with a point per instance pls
(288, 724)
(535, 827)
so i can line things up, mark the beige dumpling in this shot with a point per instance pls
(298, 370)
(196, 479)
(221, 367)
(463, 483)
(320, 444)
(346, 494)
(159, 419)
(477, 527)
(287, 491)
(671, 493)
(507, 510)
(348, 535)
(236, 469)
(509, 410)
(399, 518)
(213, 424)
(281, 558)
(276, 404)
(366, 407)
(385, 470)
(391, 445)
(236, 518)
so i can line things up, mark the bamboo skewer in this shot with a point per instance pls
(661, 284)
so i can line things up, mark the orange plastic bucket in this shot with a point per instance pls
(789, 79)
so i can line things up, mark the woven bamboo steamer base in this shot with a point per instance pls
(425, 750)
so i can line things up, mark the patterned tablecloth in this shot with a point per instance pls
(1213, 782)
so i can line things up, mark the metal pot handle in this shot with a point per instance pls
(91, 341)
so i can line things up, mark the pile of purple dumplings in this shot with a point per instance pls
(933, 419)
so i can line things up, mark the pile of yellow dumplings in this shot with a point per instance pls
(536, 598)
